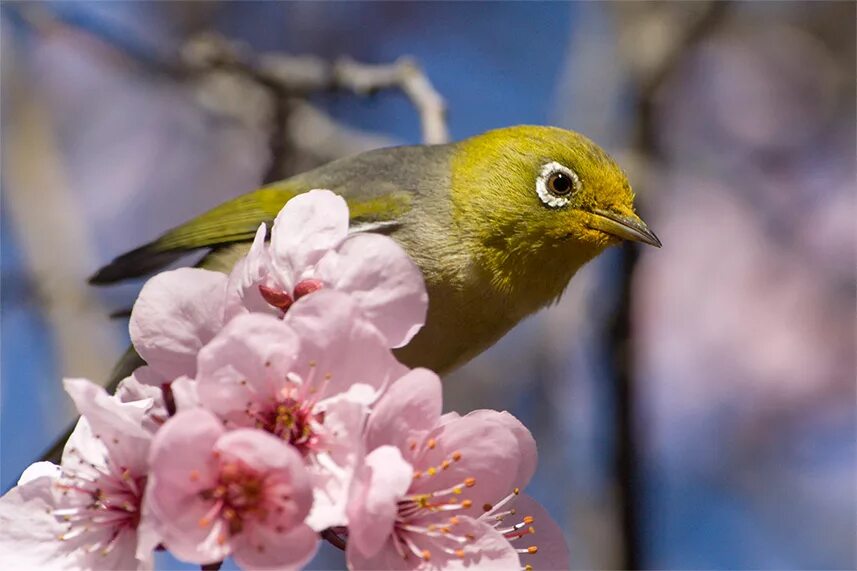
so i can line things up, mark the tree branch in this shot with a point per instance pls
(300, 76)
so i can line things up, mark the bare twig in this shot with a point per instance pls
(322, 139)
(300, 76)
(334, 539)
(406, 75)
(289, 79)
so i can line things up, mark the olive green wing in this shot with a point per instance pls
(233, 221)
(224, 227)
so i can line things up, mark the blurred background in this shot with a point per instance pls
(694, 406)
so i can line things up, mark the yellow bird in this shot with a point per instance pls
(499, 223)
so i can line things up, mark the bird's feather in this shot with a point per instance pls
(233, 221)
(375, 200)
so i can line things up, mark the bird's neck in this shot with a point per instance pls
(531, 278)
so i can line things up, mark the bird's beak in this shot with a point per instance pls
(624, 227)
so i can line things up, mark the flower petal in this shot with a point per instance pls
(123, 555)
(246, 276)
(105, 412)
(334, 465)
(339, 347)
(118, 424)
(146, 375)
(409, 409)
(246, 362)
(548, 537)
(264, 548)
(83, 450)
(39, 470)
(148, 534)
(28, 529)
(181, 458)
(487, 549)
(144, 383)
(185, 393)
(182, 465)
(307, 227)
(487, 451)
(177, 313)
(527, 450)
(387, 285)
(140, 387)
(378, 484)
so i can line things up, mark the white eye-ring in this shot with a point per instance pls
(556, 184)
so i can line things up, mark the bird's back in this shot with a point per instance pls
(411, 169)
(380, 186)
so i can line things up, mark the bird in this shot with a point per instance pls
(498, 223)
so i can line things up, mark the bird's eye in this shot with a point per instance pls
(556, 184)
(559, 183)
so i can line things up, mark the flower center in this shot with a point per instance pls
(292, 413)
(238, 495)
(417, 518)
(292, 420)
(102, 503)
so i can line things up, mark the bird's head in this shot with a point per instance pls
(529, 196)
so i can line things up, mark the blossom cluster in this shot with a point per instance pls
(272, 415)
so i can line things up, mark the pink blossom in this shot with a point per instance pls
(308, 381)
(88, 513)
(175, 315)
(243, 493)
(436, 491)
(415, 500)
(140, 387)
(179, 311)
(311, 249)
